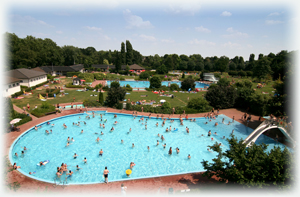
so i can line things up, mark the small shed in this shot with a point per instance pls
(77, 81)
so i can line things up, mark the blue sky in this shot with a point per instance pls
(213, 28)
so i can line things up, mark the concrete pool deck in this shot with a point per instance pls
(147, 186)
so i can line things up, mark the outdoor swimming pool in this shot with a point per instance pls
(146, 84)
(117, 156)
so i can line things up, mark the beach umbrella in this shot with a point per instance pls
(162, 101)
(14, 121)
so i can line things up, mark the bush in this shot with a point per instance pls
(88, 77)
(188, 83)
(101, 98)
(242, 73)
(43, 109)
(70, 85)
(232, 73)
(155, 82)
(51, 92)
(249, 73)
(174, 86)
(91, 103)
(144, 75)
(199, 104)
(128, 88)
(166, 105)
(71, 74)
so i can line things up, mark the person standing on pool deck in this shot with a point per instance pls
(105, 174)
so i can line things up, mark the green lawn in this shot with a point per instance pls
(180, 99)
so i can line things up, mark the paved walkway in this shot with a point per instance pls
(19, 110)
(150, 186)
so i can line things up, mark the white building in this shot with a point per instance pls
(28, 77)
(11, 86)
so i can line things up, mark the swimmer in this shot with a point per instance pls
(158, 135)
(100, 125)
(47, 131)
(205, 123)
(24, 148)
(170, 151)
(228, 123)
(177, 150)
(164, 145)
(162, 138)
(148, 148)
(77, 168)
(156, 124)
(81, 131)
(223, 120)
(216, 124)
(51, 131)
(115, 122)
(16, 154)
(112, 129)
(232, 131)
(215, 133)
(170, 129)
(102, 133)
(157, 143)
(223, 137)
(69, 174)
(132, 164)
(146, 127)
(101, 152)
(32, 172)
(212, 139)
(209, 133)
(209, 149)
(68, 139)
(85, 160)
(68, 144)
(15, 166)
(58, 174)
(36, 128)
(75, 156)
(41, 163)
(189, 156)
(130, 130)
(103, 126)
(167, 129)
(132, 145)
(22, 153)
(65, 126)
(122, 141)
(98, 139)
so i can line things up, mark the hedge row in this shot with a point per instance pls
(26, 89)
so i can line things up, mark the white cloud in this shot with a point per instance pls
(202, 29)
(167, 41)
(135, 21)
(93, 28)
(273, 22)
(184, 8)
(106, 37)
(226, 13)
(231, 45)
(147, 38)
(274, 14)
(202, 42)
(235, 34)
(28, 21)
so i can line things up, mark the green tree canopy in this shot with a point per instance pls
(155, 82)
(252, 166)
(188, 83)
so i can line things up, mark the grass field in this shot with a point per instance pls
(180, 99)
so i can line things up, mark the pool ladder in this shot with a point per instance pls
(62, 184)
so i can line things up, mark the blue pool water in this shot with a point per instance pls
(146, 84)
(117, 156)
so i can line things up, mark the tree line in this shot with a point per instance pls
(31, 52)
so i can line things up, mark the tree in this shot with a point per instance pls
(188, 83)
(222, 64)
(155, 82)
(144, 75)
(251, 62)
(262, 68)
(105, 62)
(169, 63)
(251, 166)
(200, 104)
(115, 94)
(118, 62)
(101, 98)
(123, 54)
(162, 69)
(222, 97)
(129, 53)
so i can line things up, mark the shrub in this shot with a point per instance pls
(199, 104)
(91, 103)
(71, 74)
(242, 73)
(155, 82)
(101, 98)
(144, 75)
(43, 109)
(188, 83)
(174, 86)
